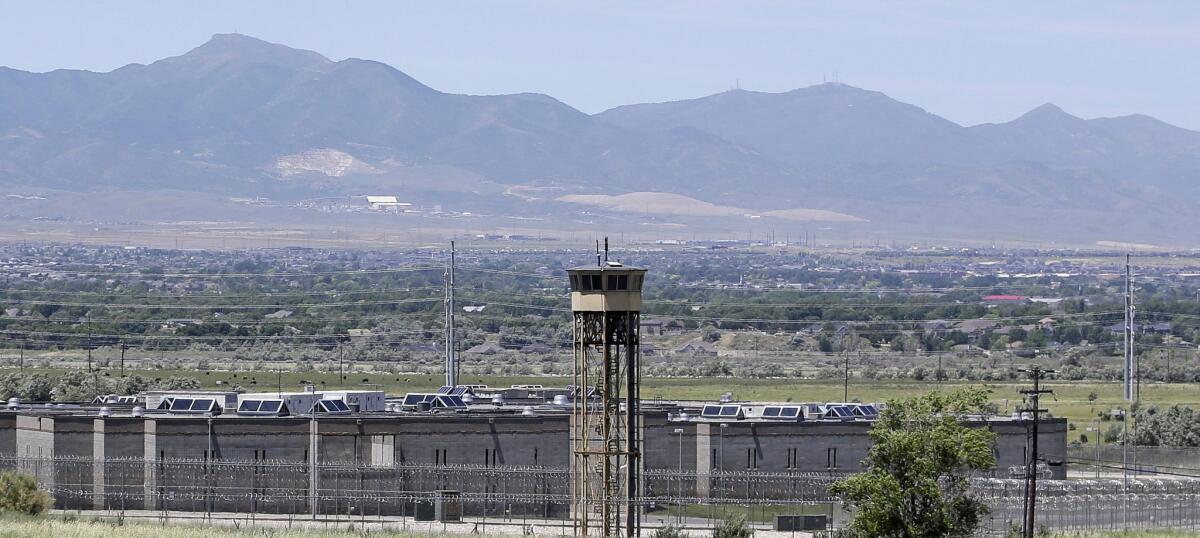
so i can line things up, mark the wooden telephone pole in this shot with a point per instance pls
(1034, 395)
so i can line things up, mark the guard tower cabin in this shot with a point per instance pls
(606, 301)
(606, 288)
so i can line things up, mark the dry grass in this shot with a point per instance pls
(1121, 534)
(53, 527)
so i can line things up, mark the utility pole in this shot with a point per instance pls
(1130, 371)
(341, 371)
(938, 373)
(1124, 469)
(451, 356)
(1034, 395)
(124, 347)
(846, 381)
(89, 340)
(1170, 355)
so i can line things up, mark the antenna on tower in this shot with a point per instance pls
(606, 250)
(598, 253)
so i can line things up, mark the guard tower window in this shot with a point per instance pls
(590, 283)
(618, 282)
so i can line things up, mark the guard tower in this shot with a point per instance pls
(606, 462)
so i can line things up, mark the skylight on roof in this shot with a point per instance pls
(331, 407)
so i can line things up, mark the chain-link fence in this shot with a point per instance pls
(481, 493)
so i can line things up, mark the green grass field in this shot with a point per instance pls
(1071, 399)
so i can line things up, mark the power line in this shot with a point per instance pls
(231, 321)
(221, 295)
(147, 306)
(119, 337)
(153, 275)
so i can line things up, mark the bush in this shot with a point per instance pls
(734, 527)
(670, 531)
(19, 494)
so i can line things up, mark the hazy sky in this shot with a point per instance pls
(971, 62)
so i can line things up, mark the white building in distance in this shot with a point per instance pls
(386, 203)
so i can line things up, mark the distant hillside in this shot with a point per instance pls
(223, 116)
(868, 140)
(239, 117)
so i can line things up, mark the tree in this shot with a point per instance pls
(19, 494)
(1176, 426)
(178, 382)
(80, 386)
(915, 482)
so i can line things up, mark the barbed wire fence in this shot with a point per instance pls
(395, 495)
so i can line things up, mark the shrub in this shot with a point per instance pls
(19, 494)
(734, 527)
(670, 531)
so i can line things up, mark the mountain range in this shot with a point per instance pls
(240, 117)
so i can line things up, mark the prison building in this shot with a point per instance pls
(283, 453)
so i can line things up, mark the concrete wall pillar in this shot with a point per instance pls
(98, 455)
(150, 472)
(703, 460)
(314, 468)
